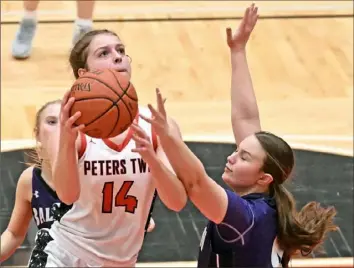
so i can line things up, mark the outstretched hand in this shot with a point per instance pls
(238, 40)
(159, 120)
(143, 144)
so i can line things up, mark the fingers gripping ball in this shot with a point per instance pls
(107, 101)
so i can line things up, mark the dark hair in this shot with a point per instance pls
(78, 54)
(32, 154)
(301, 231)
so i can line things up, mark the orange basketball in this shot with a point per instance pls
(107, 101)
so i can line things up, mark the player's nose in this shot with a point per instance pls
(231, 159)
(117, 57)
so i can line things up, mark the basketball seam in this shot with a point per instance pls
(117, 120)
(124, 90)
(120, 97)
(114, 103)
(104, 112)
(104, 83)
(124, 93)
(94, 98)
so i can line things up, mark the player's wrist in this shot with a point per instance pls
(237, 53)
(153, 161)
(66, 143)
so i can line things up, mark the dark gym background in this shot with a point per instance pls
(318, 176)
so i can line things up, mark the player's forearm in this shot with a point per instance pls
(66, 174)
(9, 244)
(188, 168)
(244, 109)
(170, 189)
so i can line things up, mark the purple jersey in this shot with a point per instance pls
(246, 237)
(43, 200)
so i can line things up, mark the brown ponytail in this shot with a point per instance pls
(301, 231)
(298, 232)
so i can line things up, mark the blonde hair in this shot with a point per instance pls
(32, 155)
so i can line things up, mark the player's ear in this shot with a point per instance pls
(266, 179)
(81, 72)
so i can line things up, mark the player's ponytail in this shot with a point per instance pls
(298, 232)
(303, 231)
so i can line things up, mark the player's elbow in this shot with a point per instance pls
(180, 204)
(69, 197)
(197, 178)
(176, 203)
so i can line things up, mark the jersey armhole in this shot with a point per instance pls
(154, 138)
(83, 145)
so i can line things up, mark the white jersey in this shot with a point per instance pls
(108, 220)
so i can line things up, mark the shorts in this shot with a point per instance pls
(47, 253)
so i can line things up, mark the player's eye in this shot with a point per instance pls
(121, 50)
(103, 53)
(52, 121)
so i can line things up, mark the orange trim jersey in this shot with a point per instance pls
(106, 225)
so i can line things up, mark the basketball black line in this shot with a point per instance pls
(104, 112)
(114, 104)
(117, 120)
(130, 114)
(125, 93)
(124, 90)
(104, 83)
(94, 98)
(120, 97)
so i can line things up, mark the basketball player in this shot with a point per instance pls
(35, 194)
(111, 188)
(22, 45)
(255, 224)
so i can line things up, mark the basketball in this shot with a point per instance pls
(107, 101)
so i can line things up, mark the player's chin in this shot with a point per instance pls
(226, 177)
(126, 74)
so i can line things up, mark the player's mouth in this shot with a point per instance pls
(122, 70)
(227, 169)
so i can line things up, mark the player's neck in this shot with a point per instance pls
(120, 138)
(252, 190)
(46, 173)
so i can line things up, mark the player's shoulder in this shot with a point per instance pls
(258, 203)
(263, 207)
(26, 175)
(24, 183)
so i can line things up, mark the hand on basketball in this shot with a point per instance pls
(143, 143)
(238, 40)
(68, 131)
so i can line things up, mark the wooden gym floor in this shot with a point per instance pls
(302, 67)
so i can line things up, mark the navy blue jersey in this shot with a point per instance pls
(246, 237)
(44, 199)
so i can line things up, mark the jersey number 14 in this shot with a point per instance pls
(121, 199)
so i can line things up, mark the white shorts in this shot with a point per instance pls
(48, 253)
